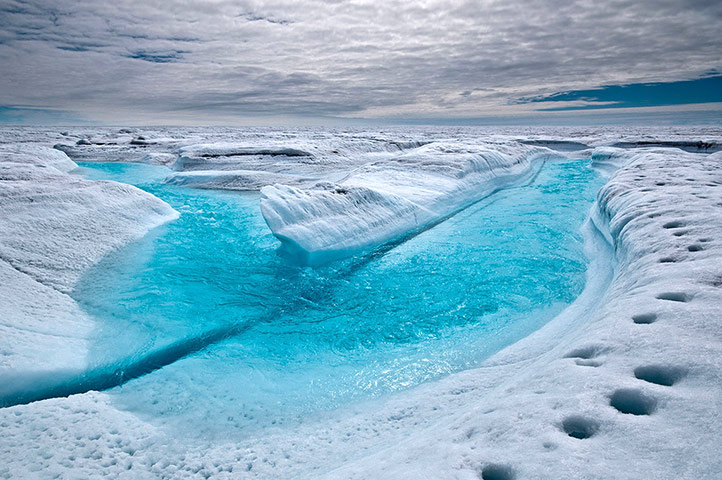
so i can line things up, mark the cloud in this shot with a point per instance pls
(165, 56)
(225, 60)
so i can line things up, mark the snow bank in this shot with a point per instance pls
(385, 200)
(272, 157)
(234, 149)
(234, 156)
(609, 159)
(29, 154)
(54, 225)
(233, 179)
(698, 146)
(157, 158)
(124, 145)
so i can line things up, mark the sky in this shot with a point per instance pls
(325, 62)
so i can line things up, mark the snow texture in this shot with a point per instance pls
(233, 179)
(385, 200)
(625, 384)
(53, 226)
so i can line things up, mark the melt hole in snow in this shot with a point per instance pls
(660, 374)
(645, 318)
(497, 472)
(674, 296)
(674, 224)
(585, 353)
(633, 401)
(587, 363)
(580, 427)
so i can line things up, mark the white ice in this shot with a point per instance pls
(387, 199)
(645, 337)
(53, 226)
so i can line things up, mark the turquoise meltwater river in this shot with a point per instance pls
(234, 337)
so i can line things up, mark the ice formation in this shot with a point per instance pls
(382, 201)
(234, 179)
(53, 226)
(624, 384)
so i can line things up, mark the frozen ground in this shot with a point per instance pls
(626, 383)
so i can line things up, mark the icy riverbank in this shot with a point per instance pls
(382, 201)
(53, 226)
(628, 389)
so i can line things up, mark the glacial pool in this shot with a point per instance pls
(233, 337)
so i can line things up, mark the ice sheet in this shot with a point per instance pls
(635, 369)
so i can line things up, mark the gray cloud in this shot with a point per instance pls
(224, 60)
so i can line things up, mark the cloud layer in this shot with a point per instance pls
(195, 62)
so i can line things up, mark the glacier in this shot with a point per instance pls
(625, 383)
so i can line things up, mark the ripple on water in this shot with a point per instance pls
(313, 339)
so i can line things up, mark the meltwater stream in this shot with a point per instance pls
(267, 342)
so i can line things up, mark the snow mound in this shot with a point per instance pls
(382, 201)
(119, 146)
(232, 179)
(157, 158)
(233, 156)
(53, 226)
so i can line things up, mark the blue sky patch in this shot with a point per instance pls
(702, 90)
(19, 115)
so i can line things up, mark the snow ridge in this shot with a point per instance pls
(53, 226)
(382, 201)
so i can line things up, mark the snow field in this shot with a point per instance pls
(624, 384)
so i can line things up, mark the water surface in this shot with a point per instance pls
(273, 341)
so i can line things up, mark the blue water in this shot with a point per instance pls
(264, 342)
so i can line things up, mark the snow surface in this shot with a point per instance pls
(53, 226)
(625, 384)
(384, 200)
(234, 179)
